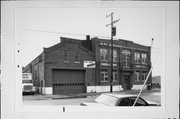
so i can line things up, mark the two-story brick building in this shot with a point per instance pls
(79, 66)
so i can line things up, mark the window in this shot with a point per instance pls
(114, 55)
(126, 58)
(125, 61)
(115, 75)
(124, 102)
(104, 75)
(66, 56)
(144, 58)
(137, 57)
(104, 54)
(137, 74)
(143, 76)
(76, 56)
(140, 101)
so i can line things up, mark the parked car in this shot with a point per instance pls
(108, 99)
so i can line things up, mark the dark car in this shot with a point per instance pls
(108, 99)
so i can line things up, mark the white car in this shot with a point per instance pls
(108, 99)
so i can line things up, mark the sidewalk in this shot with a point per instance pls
(80, 95)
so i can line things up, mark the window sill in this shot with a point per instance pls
(66, 61)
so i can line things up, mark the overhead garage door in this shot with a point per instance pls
(68, 81)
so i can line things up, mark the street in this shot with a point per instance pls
(154, 96)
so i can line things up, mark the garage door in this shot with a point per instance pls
(68, 81)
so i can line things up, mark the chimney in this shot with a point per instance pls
(88, 37)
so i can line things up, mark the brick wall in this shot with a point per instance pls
(54, 58)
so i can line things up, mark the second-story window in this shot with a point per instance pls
(114, 55)
(126, 58)
(144, 58)
(137, 57)
(104, 54)
(76, 57)
(125, 61)
(66, 56)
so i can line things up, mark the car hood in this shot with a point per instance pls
(92, 104)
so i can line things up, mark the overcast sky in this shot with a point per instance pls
(42, 27)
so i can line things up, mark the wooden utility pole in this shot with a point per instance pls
(113, 33)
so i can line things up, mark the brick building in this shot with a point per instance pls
(79, 66)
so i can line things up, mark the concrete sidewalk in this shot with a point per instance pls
(80, 95)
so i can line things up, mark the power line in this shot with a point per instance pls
(65, 33)
(46, 31)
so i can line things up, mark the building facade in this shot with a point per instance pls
(80, 66)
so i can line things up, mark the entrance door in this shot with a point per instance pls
(127, 82)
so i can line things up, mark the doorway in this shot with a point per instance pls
(127, 79)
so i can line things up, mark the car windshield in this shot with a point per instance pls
(107, 100)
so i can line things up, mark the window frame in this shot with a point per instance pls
(137, 76)
(115, 53)
(126, 61)
(103, 55)
(104, 72)
(144, 75)
(144, 58)
(76, 57)
(66, 56)
(115, 75)
(137, 57)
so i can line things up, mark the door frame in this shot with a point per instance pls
(129, 81)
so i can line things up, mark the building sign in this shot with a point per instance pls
(126, 52)
(27, 76)
(89, 64)
(109, 44)
(108, 64)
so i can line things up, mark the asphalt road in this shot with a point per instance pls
(30, 100)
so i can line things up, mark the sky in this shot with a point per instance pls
(42, 27)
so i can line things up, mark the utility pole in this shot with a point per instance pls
(113, 33)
